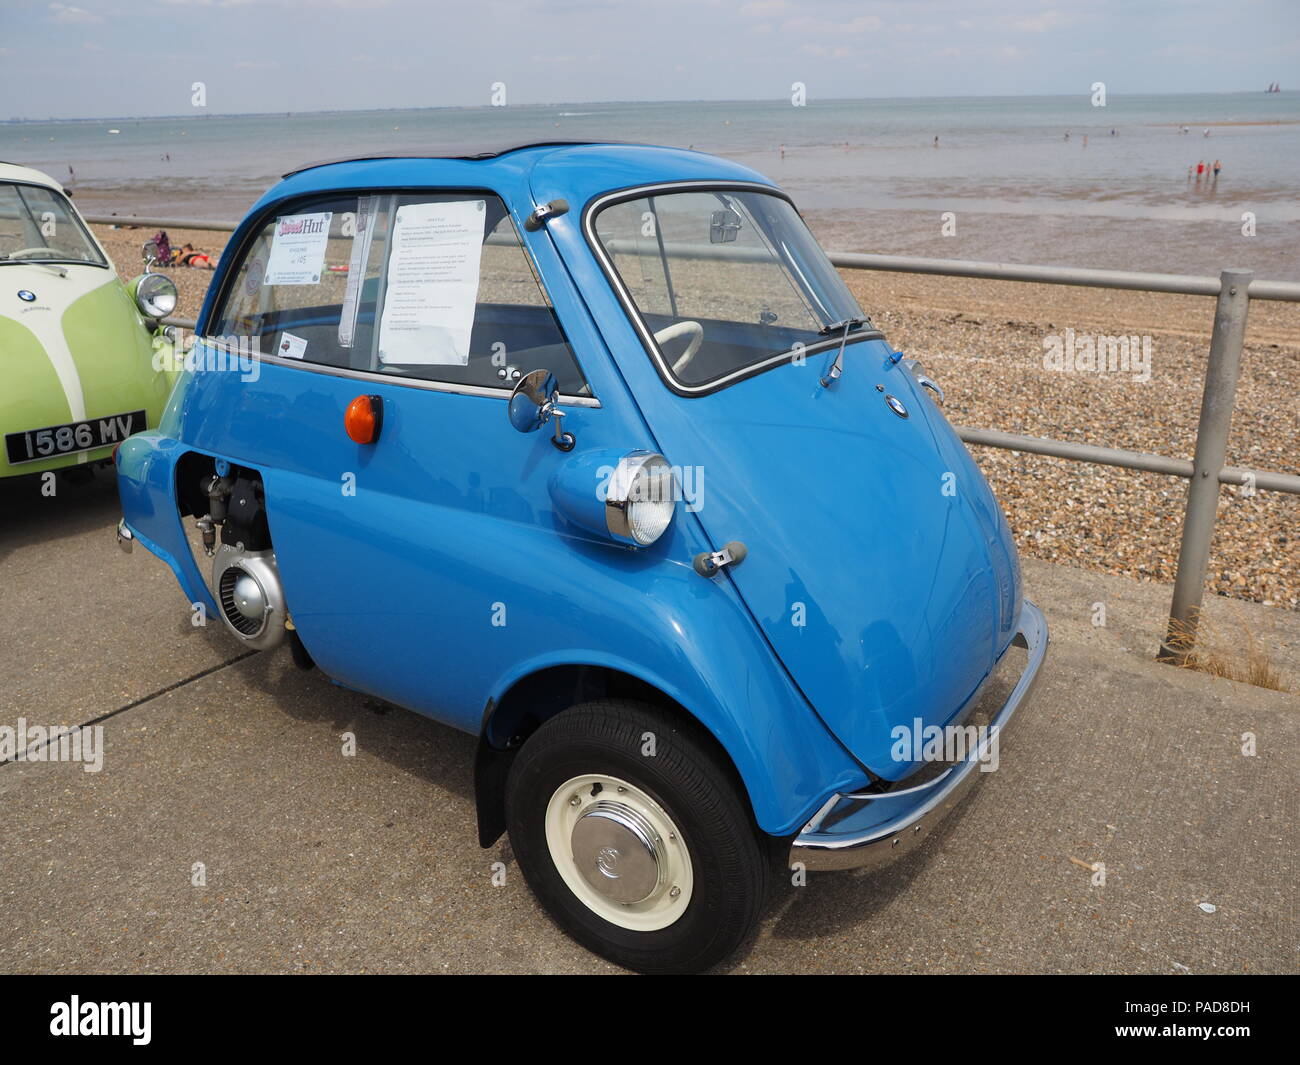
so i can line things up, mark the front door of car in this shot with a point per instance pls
(404, 559)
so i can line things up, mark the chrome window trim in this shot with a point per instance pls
(485, 391)
(595, 206)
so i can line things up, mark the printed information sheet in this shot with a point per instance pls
(432, 283)
(298, 249)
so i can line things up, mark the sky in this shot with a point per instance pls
(118, 58)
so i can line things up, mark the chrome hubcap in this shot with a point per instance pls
(618, 852)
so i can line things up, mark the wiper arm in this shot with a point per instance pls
(837, 367)
(60, 270)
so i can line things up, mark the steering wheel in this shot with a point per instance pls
(680, 329)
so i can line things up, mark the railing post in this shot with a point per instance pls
(1217, 401)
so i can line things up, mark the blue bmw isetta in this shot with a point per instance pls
(586, 449)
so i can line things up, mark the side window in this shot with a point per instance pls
(430, 287)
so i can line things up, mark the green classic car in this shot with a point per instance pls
(78, 368)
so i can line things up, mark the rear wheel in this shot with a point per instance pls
(633, 834)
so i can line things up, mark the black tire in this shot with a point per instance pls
(697, 789)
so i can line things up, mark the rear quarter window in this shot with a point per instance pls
(411, 286)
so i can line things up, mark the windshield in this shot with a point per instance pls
(726, 282)
(39, 225)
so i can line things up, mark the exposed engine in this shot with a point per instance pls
(245, 579)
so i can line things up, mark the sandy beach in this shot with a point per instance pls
(984, 342)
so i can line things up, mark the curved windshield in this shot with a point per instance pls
(726, 282)
(38, 225)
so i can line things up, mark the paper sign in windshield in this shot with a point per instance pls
(298, 249)
(432, 284)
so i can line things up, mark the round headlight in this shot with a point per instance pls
(641, 498)
(155, 295)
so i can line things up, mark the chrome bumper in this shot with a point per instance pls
(862, 830)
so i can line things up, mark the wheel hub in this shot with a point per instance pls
(618, 852)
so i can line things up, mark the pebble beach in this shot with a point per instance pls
(984, 341)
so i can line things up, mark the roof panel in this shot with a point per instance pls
(464, 151)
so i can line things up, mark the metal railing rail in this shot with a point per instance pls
(1233, 290)
(160, 223)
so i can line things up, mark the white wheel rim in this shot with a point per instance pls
(610, 841)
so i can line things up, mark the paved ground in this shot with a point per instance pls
(316, 862)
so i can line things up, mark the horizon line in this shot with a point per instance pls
(21, 120)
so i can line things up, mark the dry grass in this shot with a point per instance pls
(1226, 649)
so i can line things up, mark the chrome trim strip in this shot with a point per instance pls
(826, 849)
(634, 316)
(393, 379)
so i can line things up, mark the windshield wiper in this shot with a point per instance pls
(61, 271)
(837, 367)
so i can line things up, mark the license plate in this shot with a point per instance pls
(54, 440)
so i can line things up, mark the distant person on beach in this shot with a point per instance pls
(1200, 168)
(936, 140)
(1190, 171)
(1207, 131)
(1067, 134)
(188, 256)
(782, 151)
(1216, 170)
(1112, 133)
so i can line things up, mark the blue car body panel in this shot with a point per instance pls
(400, 558)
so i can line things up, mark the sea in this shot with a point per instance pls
(1031, 179)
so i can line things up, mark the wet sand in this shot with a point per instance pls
(984, 342)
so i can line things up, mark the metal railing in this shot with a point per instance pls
(1232, 289)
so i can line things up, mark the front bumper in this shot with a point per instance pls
(863, 829)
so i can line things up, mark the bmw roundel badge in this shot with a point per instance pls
(896, 405)
(25, 296)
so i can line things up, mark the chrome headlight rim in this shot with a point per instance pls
(153, 293)
(634, 470)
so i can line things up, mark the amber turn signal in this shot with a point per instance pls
(364, 418)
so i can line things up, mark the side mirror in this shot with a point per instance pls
(150, 253)
(534, 402)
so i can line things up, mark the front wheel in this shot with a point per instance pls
(633, 834)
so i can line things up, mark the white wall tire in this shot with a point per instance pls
(681, 822)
